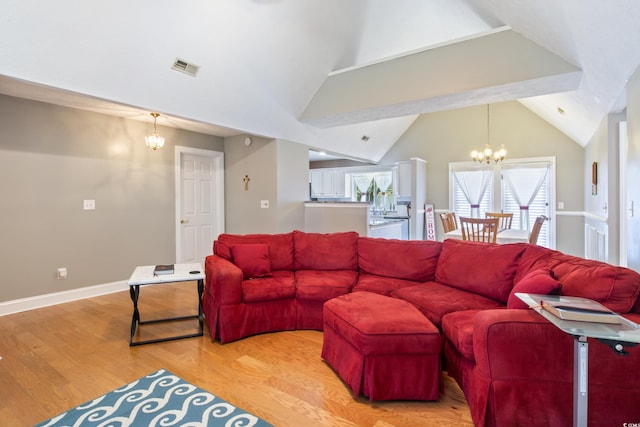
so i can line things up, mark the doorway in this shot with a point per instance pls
(199, 202)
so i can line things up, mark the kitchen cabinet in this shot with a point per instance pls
(329, 183)
(403, 178)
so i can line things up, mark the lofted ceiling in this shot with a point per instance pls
(324, 73)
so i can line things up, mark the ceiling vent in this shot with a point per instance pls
(185, 67)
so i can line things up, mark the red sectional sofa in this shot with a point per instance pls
(514, 367)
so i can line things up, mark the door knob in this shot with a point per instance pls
(183, 221)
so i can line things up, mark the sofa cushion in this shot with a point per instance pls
(480, 268)
(402, 259)
(380, 284)
(533, 258)
(281, 285)
(435, 300)
(457, 327)
(280, 247)
(320, 285)
(253, 260)
(331, 251)
(538, 281)
(615, 287)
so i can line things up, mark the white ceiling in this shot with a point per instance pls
(266, 65)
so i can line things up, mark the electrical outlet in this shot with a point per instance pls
(89, 205)
(264, 204)
(62, 273)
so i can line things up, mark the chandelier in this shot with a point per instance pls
(154, 141)
(487, 154)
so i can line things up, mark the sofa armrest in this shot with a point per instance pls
(223, 280)
(520, 344)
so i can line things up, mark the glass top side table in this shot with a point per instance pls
(616, 336)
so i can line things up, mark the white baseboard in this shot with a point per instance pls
(31, 303)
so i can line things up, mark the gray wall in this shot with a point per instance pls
(278, 171)
(51, 159)
(449, 136)
(54, 157)
(293, 185)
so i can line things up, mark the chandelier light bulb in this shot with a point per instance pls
(500, 154)
(485, 155)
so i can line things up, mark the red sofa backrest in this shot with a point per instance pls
(482, 268)
(280, 247)
(616, 287)
(533, 258)
(401, 259)
(331, 251)
(613, 286)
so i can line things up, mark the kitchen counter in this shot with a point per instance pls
(335, 202)
(331, 217)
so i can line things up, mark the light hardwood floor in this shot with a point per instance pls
(58, 357)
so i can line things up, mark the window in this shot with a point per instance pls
(374, 187)
(523, 187)
(532, 182)
(473, 191)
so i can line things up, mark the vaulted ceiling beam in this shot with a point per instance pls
(499, 65)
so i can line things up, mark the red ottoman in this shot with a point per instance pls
(383, 347)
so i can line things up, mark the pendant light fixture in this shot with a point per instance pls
(487, 153)
(154, 141)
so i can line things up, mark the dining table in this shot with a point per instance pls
(508, 235)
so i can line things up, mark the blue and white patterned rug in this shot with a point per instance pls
(159, 399)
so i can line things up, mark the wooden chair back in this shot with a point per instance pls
(449, 222)
(535, 230)
(505, 219)
(479, 229)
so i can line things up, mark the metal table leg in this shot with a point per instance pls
(580, 381)
(134, 291)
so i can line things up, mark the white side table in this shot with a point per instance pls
(143, 276)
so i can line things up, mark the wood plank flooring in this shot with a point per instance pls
(58, 357)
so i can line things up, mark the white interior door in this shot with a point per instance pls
(200, 202)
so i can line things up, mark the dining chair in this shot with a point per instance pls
(449, 222)
(505, 219)
(535, 230)
(479, 229)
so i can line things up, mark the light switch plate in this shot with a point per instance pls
(89, 205)
(264, 204)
